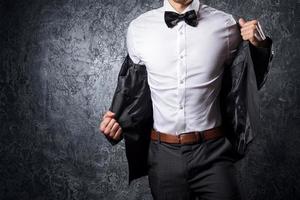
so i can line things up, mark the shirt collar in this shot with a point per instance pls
(194, 5)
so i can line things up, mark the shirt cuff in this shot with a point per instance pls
(260, 35)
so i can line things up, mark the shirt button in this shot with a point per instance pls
(181, 57)
(181, 81)
(181, 32)
(181, 107)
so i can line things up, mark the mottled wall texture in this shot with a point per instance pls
(59, 61)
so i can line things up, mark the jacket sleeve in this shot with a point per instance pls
(119, 97)
(131, 103)
(261, 57)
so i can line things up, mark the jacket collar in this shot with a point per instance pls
(194, 5)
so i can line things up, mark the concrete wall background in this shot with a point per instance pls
(59, 61)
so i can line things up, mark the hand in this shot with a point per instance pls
(110, 127)
(248, 32)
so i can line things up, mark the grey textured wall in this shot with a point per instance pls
(59, 61)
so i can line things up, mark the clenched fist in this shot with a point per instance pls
(110, 127)
(251, 30)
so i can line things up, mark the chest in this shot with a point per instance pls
(196, 50)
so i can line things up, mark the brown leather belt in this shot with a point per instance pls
(187, 138)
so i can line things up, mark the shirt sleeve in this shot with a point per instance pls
(233, 39)
(131, 45)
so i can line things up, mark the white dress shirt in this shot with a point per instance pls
(184, 64)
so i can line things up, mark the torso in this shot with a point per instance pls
(204, 48)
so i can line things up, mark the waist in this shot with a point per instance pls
(189, 137)
(182, 114)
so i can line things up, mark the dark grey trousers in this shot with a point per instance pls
(202, 171)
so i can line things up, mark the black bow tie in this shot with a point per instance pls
(172, 18)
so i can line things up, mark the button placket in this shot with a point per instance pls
(181, 76)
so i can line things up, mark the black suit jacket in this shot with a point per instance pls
(239, 104)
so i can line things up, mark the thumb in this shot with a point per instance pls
(109, 114)
(242, 21)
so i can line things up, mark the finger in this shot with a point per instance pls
(118, 134)
(242, 22)
(105, 130)
(252, 22)
(113, 130)
(104, 123)
(249, 27)
(249, 36)
(109, 126)
(109, 114)
(246, 36)
(115, 127)
(249, 32)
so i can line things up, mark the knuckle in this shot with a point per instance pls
(115, 128)
(102, 128)
(112, 134)
(109, 123)
(106, 131)
(105, 121)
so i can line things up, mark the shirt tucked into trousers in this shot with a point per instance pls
(185, 66)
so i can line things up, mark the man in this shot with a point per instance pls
(185, 45)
